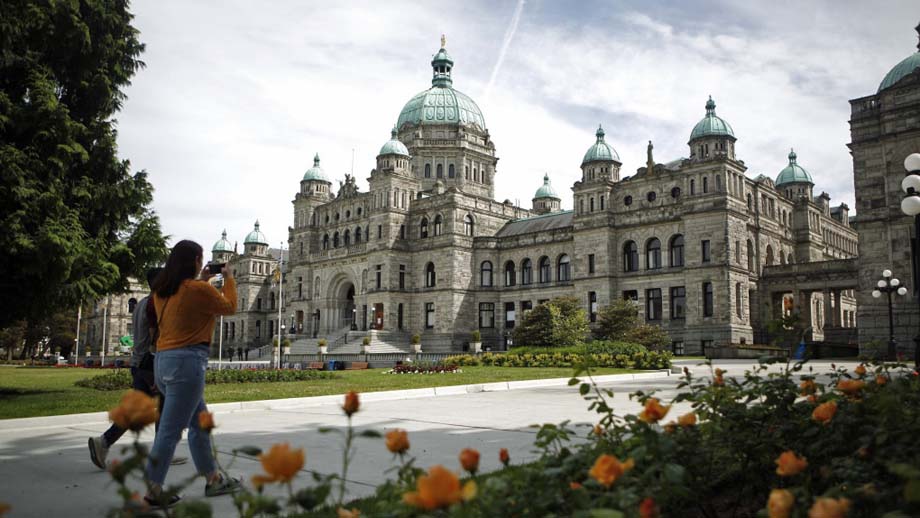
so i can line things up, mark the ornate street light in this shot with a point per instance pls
(887, 285)
(910, 206)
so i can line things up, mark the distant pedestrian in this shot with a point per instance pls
(231, 354)
(186, 308)
(143, 323)
(239, 353)
(247, 354)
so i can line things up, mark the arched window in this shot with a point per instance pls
(544, 269)
(630, 257)
(346, 237)
(450, 171)
(653, 254)
(429, 276)
(591, 204)
(602, 202)
(440, 171)
(437, 225)
(132, 303)
(427, 170)
(468, 225)
(750, 255)
(769, 255)
(423, 228)
(789, 259)
(335, 240)
(782, 257)
(676, 250)
(485, 274)
(750, 202)
(564, 270)
(526, 272)
(510, 274)
(357, 235)
(692, 186)
(705, 184)
(326, 242)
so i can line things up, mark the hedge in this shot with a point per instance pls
(641, 360)
(120, 379)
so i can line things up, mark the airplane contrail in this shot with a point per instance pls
(506, 42)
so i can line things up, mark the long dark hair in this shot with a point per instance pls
(179, 266)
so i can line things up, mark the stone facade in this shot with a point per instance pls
(108, 319)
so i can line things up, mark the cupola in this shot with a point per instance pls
(545, 199)
(601, 160)
(712, 136)
(794, 181)
(902, 69)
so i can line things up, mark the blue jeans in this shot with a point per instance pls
(180, 378)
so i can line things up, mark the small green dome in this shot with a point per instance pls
(793, 173)
(600, 151)
(394, 146)
(901, 70)
(256, 237)
(441, 104)
(546, 191)
(223, 245)
(711, 125)
(316, 172)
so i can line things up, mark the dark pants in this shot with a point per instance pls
(142, 380)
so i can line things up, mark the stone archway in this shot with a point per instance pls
(340, 303)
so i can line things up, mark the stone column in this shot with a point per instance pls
(803, 303)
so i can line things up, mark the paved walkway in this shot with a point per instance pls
(46, 471)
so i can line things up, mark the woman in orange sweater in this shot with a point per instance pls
(186, 308)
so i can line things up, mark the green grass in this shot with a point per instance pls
(33, 392)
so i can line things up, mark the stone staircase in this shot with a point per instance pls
(307, 345)
(381, 342)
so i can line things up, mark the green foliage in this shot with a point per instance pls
(615, 320)
(366, 341)
(593, 347)
(555, 358)
(785, 331)
(556, 323)
(653, 337)
(322, 342)
(476, 336)
(120, 379)
(416, 339)
(77, 223)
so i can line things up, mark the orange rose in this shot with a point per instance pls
(824, 412)
(687, 419)
(598, 430)
(829, 508)
(206, 421)
(851, 387)
(789, 464)
(654, 411)
(607, 469)
(344, 513)
(397, 441)
(281, 464)
(574, 486)
(717, 380)
(135, 411)
(648, 508)
(503, 456)
(808, 387)
(860, 370)
(439, 488)
(813, 399)
(881, 379)
(469, 460)
(351, 403)
(780, 503)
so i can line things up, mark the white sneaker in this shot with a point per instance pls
(98, 451)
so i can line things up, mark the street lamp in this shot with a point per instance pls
(354, 319)
(887, 285)
(910, 206)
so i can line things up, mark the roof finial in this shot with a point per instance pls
(600, 133)
(257, 224)
(443, 41)
(223, 234)
(545, 178)
(316, 160)
(393, 132)
(792, 156)
(710, 106)
(917, 28)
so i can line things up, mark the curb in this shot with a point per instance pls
(92, 418)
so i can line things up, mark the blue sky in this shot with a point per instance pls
(237, 97)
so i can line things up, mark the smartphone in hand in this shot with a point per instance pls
(215, 268)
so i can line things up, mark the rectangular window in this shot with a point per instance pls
(707, 299)
(526, 306)
(592, 305)
(678, 303)
(653, 304)
(399, 317)
(259, 303)
(590, 263)
(300, 287)
(402, 232)
(429, 315)
(632, 295)
(486, 315)
(402, 276)
(706, 251)
(677, 348)
(378, 274)
(379, 231)
(509, 315)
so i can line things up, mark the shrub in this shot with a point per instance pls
(554, 358)
(615, 320)
(651, 336)
(366, 341)
(476, 336)
(556, 323)
(120, 379)
(423, 369)
(416, 339)
(322, 342)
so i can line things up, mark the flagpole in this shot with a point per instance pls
(76, 353)
(280, 298)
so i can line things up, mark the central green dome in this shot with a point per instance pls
(601, 151)
(546, 191)
(441, 104)
(793, 173)
(711, 125)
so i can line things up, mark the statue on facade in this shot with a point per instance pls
(348, 188)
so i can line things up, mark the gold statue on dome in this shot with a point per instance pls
(443, 41)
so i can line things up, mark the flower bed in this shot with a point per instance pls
(120, 379)
(424, 369)
(639, 360)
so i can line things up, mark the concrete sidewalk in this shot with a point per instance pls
(46, 471)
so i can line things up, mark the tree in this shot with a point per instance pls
(619, 322)
(76, 222)
(556, 323)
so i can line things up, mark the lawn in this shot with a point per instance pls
(32, 392)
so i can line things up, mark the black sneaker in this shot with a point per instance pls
(156, 503)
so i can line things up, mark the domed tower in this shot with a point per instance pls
(393, 156)
(446, 135)
(222, 251)
(601, 161)
(794, 181)
(712, 137)
(315, 182)
(546, 200)
(902, 69)
(256, 243)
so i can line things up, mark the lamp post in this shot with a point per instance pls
(887, 285)
(354, 319)
(910, 206)
(280, 349)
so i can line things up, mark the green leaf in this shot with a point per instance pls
(674, 473)
(584, 388)
(606, 513)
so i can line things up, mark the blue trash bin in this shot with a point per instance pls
(330, 365)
